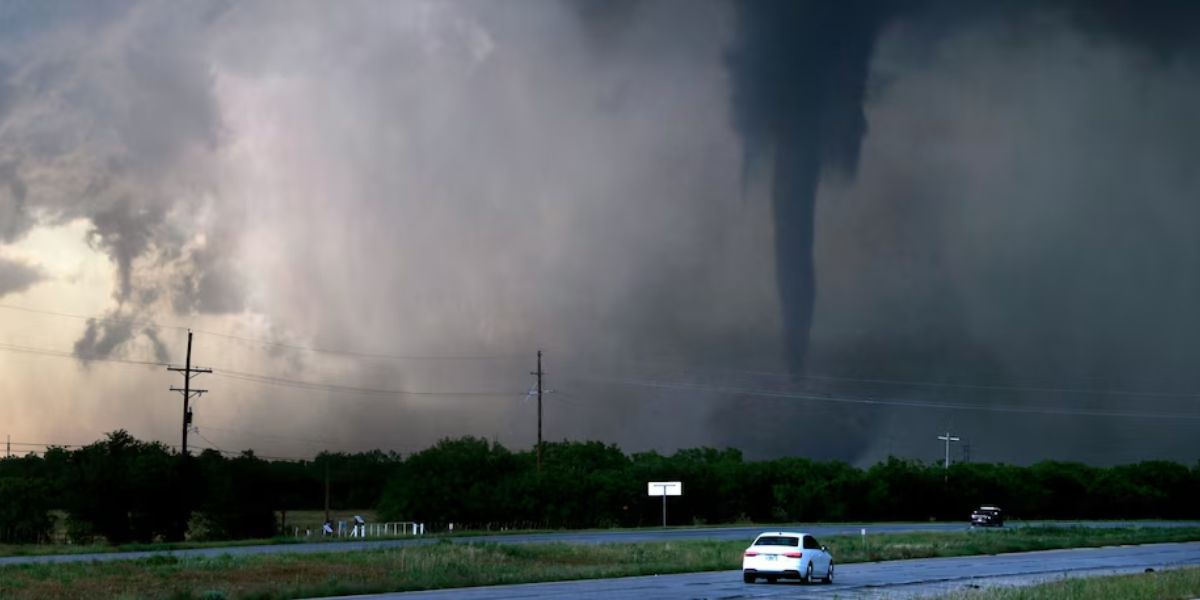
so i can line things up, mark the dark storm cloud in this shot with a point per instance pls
(103, 336)
(481, 178)
(125, 233)
(109, 117)
(14, 216)
(803, 75)
(800, 76)
(160, 349)
(106, 336)
(16, 276)
(1165, 27)
(8, 91)
(209, 282)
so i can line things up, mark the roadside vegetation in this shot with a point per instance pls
(121, 490)
(1173, 584)
(441, 565)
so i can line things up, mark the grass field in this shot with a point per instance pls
(263, 577)
(1160, 585)
(306, 519)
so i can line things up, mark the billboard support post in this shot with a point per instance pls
(664, 489)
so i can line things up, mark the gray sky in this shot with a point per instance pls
(436, 190)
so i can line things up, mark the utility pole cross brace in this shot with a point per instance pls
(187, 391)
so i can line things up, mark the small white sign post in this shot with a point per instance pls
(664, 489)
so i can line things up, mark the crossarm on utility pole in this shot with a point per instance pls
(187, 391)
(948, 438)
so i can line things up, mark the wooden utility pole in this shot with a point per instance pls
(539, 374)
(326, 461)
(187, 391)
(946, 467)
(947, 438)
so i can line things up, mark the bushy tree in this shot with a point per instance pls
(24, 511)
(126, 490)
(587, 484)
(454, 481)
(239, 500)
(899, 489)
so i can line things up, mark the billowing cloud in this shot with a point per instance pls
(16, 276)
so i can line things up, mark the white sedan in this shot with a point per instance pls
(784, 554)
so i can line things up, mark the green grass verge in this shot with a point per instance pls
(1160, 585)
(444, 565)
(52, 549)
(312, 519)
(849, 549)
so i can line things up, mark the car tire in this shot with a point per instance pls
(828, 574)
(807, 577)
(748, 578)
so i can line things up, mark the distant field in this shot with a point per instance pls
(303, 519)
(311, 519)
(1160, 585)
(441, 565)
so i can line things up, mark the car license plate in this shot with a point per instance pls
(772, 557)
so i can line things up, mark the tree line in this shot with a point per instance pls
(122, 490)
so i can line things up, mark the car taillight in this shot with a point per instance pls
(749, 553)
(794, 555)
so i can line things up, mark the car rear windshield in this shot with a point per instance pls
(777, 540)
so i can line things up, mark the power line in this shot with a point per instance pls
(98, 318)
(47, 444)
(1008, 388)
(559, 397)
(321, 386)
(358, 354)
(482, 357)
(332, 446)
(309, 441)
(235, 454)
(327, 445)
(889, 402)
(256, 377)
(74, 356)
(938, 384)
(262, 342)
(210, 442)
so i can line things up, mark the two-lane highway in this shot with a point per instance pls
(572, 537)
(893, 579)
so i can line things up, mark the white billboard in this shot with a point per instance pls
(664, 488)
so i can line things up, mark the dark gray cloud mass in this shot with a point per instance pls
(800, 197)
(1075, 309)
(800, 77)
(16, 276)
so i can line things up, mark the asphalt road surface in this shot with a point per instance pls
(893, 579)
(587, 537)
